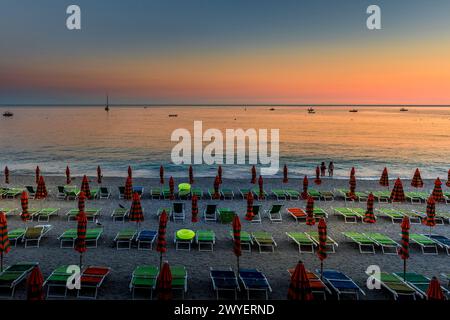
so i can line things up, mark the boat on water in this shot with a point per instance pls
(107, 103)
(173, 115)
(272, 109)
(311, 110)
(8, 114)
(353, 110)
(403, 109)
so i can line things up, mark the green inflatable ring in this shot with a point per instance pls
(184, 187)
(185, 234)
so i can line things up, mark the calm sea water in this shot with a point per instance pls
(84, 137)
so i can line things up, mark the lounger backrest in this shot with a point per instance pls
(122, 190)
(34, 232)
(60, 189)
(30, 189)
(211, 208)
(276, 208)
(178, 207)
(256, 209)
(104, 190)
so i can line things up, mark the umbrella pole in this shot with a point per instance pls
(1, 263)
(81, 260)
(160, 260)
(237, 264)
(404, 269)
(321, 270)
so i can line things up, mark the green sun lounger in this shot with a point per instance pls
(72, 192)
(124, 238)
(45, 214)
(264, 240)
(313, 193)
(326, 195)
(331, 244)
(67, 238)
(279, 194)
(205, 238)
(320, 213)
(56, 282)
(144, 278)
(33, 212)
(33, 235)
(416, 196)
(184, 194)
(120, 214)
(16, 235)
(198, 192)
(211, 192)
(382, 196)
(256, 194)
(414, 217)
(365, 244)
(441, 216)
(9, 211)
(226, 215)
(388, 246)
(155, 193)
(12, 193)
(349, 215)
(395, 285)
(246, 240)
(274, 213)
(292, 194)
(227, 194)
(393, 214)
(302, 240)
(91, 214)
(427, 245)
(418, 282)
(244, 192)
(14, 275)
(179, 279)
(165, 192)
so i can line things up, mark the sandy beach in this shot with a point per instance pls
(273, 265)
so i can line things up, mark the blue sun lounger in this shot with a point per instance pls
(254, 280)
(340, 283)
(224, 280)
(145, 239)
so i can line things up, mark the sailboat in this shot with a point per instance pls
(107, 103)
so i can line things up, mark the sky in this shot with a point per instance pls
(225, 52)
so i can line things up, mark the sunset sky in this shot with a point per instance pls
(225, 51)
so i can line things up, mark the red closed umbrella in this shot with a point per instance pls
(216, 194)
(41, 191)
(448, 179)
(237, 238)
(68, 179)
(397, 194)
(219, 174)
(434, 291)
(404, 248)
(128, 192)
(317, 180)
(6, 175)
(85, 187)
(171, 188)
(261, 188)
(352, 171)
(4, 239)
(194, 208)
(25, 216)
(249, 215)
(99, 175)
(369, 216)
(35, 285)
(38, 174)
(310, 220)
(305, 188)
(285, 174)
(191, 175)
(437, 191)
(300, 287)
(352, 185)
(416, 181)
(130, 172)
(323, 237)
(164, 283)
(80, 242)
(161, 175)
(430, 219)
(384, 179)
(253, 181)
(136, 213)
(161, 244)
(81, 201)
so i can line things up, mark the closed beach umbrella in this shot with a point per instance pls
(254, 175)
(397, 193)
(237, 238)
(369, 217)
(249, 215)
(68, 179)
(417, 182)
(161, 244)
(216, 194)
(300, 287)
(352, 171)
(130, 172)
(322, 250)
(171, 188)
(285, 174)
(194, 208)
(128, 192)
(448, 179)
(164, 283)
(384, 180)
(4, 239)
(38, 174)
(161, 175)
(80, 242)
(305, 188)
(6, 175)
(81, 201)
(41, 190)
(191, 175)
(99, 175)
(404, 249)
(35, 285)
(310, 220)
(317, 180)
(430, 219)
(352, 185)
(219, 174)
(437, 191)
(261, 188)
(136, 213)
(434, 291)
(85, 187)
(24, 203)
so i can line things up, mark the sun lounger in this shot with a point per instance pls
(178, 213)
(165, 192)
(382, 196)
(71, 192)
(224, 280)
(256, 194)
(184, 194)
(442, 241)
(313, 193)
(264, 240)
(388, 246)
(179, 279)
(9, 211)
(120, 214)
(320, 213)
(45, 214)
(340, 283)
(34, 235)
(14, 275)
(227, 194)
(33, 212)
(225, 215)
(279, 194)
(155, 193)
(303, 241)
(366, 244)
(244, 192)
(447, 197)
(393, 214)
(254, 280)
(418, 282)
(104, 193)
(92, 279)
(316, 284)
(360, 196)
(12, 193)
(441, 216)
(274, 213)
(205, 238)
(124, 238)
(414, 217)
(331, 244)
(246, 240)
(183, 239)
(427, 245)
(394, 285)
(349, 215)
(326, 195)
(61, 194)
(31, 192)
(139, 190)
(144, 278)
(210, 213)
(56, 283)
(67, 238)
(416, 197)
(211, 193)
(121, 192)
(16, 235)
(256, 213)
(297, 213)
(91, 214)
(145, 239)
(292, 194)
(197, 192)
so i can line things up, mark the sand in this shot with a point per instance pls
(274, 265)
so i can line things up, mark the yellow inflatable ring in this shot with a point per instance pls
(185, 234)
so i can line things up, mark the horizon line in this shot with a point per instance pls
(213, 105)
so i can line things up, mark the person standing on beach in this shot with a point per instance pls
(330, 169)
(323, 168)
